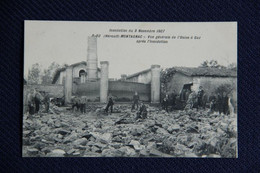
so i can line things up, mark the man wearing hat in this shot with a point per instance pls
(200, 96)
(135, 100)
(109, 104)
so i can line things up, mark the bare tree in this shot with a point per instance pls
(34, 74)
(48, 73)
(232, 66)
(211, 64)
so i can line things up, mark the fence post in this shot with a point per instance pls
(155, 84)
(68, 85)
(104, 81)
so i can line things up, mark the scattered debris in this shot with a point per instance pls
(188, 133)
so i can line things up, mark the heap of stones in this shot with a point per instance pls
(177, 134)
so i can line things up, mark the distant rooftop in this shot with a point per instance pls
(196, 71)
(206, 71)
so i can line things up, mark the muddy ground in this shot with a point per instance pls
(189, 133)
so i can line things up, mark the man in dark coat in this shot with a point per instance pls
(83, 101)
(31, 103)
(46, 101)
(200, 96)
(191, 102)
(135, 100)
(142, 113)
(110, 104)
(37, 100)
(219, 104)
(212, 102)
(225, 104)
(75, 103)
(165, 103)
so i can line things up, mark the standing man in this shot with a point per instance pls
(142, 113)
(37, 100)
(200, 97)
(85, 104)
(183, 95)
(231, 105)
(31, 103)
(78, 103)
(219, 103)
(110, 104)
(225, 106)
(165, 103)
(190, 104)
(46, 102)
(75, 103)
(135, 100)
(212, 102)
(81, 104)
(83, 101)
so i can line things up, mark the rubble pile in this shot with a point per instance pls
(176, 134)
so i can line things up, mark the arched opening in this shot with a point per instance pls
(82, 75)
(81, 72)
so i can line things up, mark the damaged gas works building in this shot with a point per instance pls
(87, 79)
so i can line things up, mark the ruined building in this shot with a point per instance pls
(209, 78)
(86, 78)
(186, 79)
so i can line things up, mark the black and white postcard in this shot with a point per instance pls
(130, 89)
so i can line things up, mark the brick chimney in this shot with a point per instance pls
(92, 59)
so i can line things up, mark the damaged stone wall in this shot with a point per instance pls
(89, 89)
(124, 91)
(121, 91)
(53, 90)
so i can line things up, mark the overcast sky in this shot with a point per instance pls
(66, 42)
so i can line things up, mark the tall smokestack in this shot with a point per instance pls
(92, 60)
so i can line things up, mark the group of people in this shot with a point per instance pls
(169, 101)
(196, 100)
(221, 103)
(142, 110)
(35, 99)
(137, 105)
(218, 103)
(79, 103)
